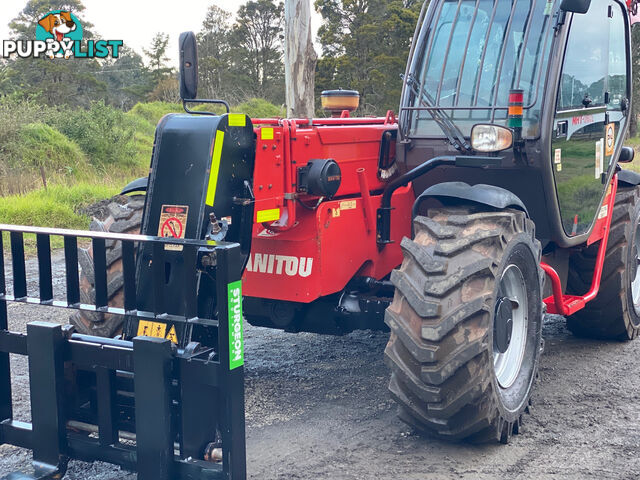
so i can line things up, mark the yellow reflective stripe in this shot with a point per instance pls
(237, 120)
(267, 133)
(215, 168)
(265, 216)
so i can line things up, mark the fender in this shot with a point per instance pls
(489, 195)
(627, 178)
(139, 185)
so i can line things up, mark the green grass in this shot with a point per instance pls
(59, 206)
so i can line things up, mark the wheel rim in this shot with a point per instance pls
(635, 283)
(508, 356)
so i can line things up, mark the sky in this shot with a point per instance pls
(137, 21)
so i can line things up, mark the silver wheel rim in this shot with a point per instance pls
(635, 283)
(507, 365)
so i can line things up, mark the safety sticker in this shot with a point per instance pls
(348, 205)
(266, 134)
(236, 341)
(599, 158)
(172, 335)
(604, 212)
(152, 329)
(173, 224)
(335, 212)
(611, 139)
(237, 120)
(558, 156)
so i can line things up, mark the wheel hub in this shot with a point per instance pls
(503, 325)
(510, 324)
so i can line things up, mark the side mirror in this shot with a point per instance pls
(626, 155)
(575, 6)
(188, 66)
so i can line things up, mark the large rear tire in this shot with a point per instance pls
(454, 370)
(615, 312)
(122, 214)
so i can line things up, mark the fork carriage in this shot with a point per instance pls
(158, 400)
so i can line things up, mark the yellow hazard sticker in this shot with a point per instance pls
(152, 329)
(335, 212)
(266, 134)
(264, 216)
(172, 335)
(237, 120)
(215, 168)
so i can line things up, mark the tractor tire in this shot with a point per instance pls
(123, 214)
(615, 312)
(459, 372)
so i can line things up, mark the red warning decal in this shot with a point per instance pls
(173, 224)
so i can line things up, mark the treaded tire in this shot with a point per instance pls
(441, 349)
(123, 215)
(611, 315)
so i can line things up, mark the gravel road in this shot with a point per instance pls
(318, 408)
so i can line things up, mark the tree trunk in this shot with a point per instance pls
(299, 59)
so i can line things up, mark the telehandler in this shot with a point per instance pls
(496, 195)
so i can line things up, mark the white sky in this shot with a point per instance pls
(136, 21)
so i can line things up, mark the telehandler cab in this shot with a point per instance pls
(495, 196)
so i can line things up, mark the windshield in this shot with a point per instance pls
(471, 56)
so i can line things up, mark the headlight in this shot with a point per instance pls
(491, 138)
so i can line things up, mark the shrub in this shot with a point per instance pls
(42, 146)
(106, 135)
(259, 108)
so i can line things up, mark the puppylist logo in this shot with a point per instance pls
(59, 35)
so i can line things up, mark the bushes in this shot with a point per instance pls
(40, 146)
(106, 135)
(259, 108)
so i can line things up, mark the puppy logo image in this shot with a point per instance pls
(59, 35)
(60, 29)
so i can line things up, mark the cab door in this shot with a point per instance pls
(582, 146)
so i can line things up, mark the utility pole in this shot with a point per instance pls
(299, 59)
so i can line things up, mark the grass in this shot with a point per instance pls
(59, 206)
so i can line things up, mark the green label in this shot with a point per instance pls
(236, 342)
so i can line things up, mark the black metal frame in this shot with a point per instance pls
(91, 397)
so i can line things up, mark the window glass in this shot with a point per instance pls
(617, 59)
(586, 58)
(487, 47)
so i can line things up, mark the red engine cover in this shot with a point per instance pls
(299, 252)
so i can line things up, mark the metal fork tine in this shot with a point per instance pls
(100, 270)
(19, 270)
(129, 273)
(71, 268)
(44, 268)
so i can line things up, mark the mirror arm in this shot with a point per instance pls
(196, 100)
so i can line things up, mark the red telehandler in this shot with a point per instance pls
(496, 194)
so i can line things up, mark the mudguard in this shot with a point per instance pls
(627, 178)
(489, 195)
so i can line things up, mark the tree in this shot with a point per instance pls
(300, 59)
(213, 53)
(157, 54)
(365, 44)
(257, 45)
(128, 80)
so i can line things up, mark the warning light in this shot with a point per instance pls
(516, 110)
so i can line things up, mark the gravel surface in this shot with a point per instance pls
(318, 408)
